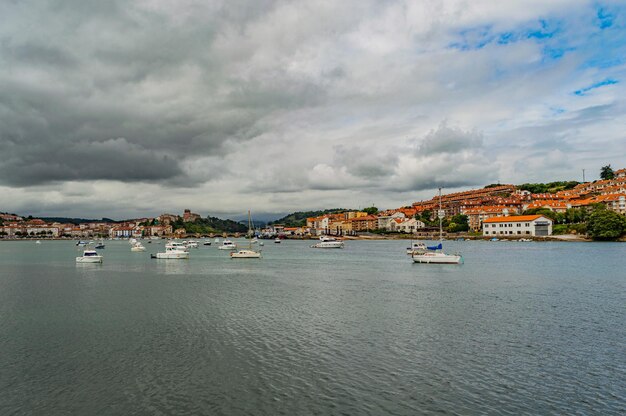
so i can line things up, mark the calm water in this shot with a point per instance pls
(520, 328)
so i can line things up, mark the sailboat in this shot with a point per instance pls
(435, 254)
(247, 253)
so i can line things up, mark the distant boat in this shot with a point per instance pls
(435, 254)
(100, 245)
(246, 253)
(89, 256)
(228, 245)
(416, 247)
(173, 251)
(191, 244)
(81, 243)
(328, 242)
(217, 240)
(206, 243)
(137, 247)
(37, 242)
(277, 240)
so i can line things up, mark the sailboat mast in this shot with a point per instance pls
(440, 218)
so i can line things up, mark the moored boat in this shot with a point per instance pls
(228, 245)
(89, 256)
(328, 242)
(175, 251)
(416, 247)
(246, 253)
(137, 247)
(435, 254)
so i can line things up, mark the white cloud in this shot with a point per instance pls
(280, 105)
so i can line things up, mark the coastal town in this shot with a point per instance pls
(493, 211)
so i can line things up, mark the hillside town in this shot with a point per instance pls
(494, 210)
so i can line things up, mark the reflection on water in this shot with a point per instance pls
(172, 266)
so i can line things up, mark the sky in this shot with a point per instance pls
(126, 109)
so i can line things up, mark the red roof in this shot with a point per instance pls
(514, 218)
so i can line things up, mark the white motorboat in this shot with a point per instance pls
(228, 245)
(246, 253)
(437, 257)
(175, 251)
(277, 240)
(137, 247)
(435, 254)
(206, 243)
(191, 244)
(176, 245)
(416, 247)
(37, 242)
(89, 256)
(81, 243)
(328, 242)
(217, 240)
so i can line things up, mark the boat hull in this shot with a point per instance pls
(245, 254)
(437, 258)
(328, 244)
(90, 259)
(181, 255)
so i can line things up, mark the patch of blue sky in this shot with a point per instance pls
(584, 91)
(474, 38)
(478, 37)
(553, 52)
(605, 18)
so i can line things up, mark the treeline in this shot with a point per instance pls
(298, 219)
(209, 225)
(598, 223)
(550, 187)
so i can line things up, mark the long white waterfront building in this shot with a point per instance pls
(520, 225)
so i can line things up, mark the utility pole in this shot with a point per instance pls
(583, 175)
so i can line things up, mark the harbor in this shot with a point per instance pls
(538, 329)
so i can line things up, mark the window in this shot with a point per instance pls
(527, 232)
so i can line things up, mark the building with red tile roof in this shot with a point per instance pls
(517, 226)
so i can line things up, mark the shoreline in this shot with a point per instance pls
(373, 237)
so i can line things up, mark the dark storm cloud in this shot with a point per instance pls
(115, 159)
(91, 72)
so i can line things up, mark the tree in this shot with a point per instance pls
(458, 223)
(575, 215)
(604, 224)
(370, 210)
(607, 172)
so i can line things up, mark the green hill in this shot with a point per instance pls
(550, 187)
(298, 219)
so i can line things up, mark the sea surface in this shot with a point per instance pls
(520, 328)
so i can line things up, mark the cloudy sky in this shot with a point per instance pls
(128, 109)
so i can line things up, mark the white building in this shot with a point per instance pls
(410, 226)
(520, 226)
(387, 222)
